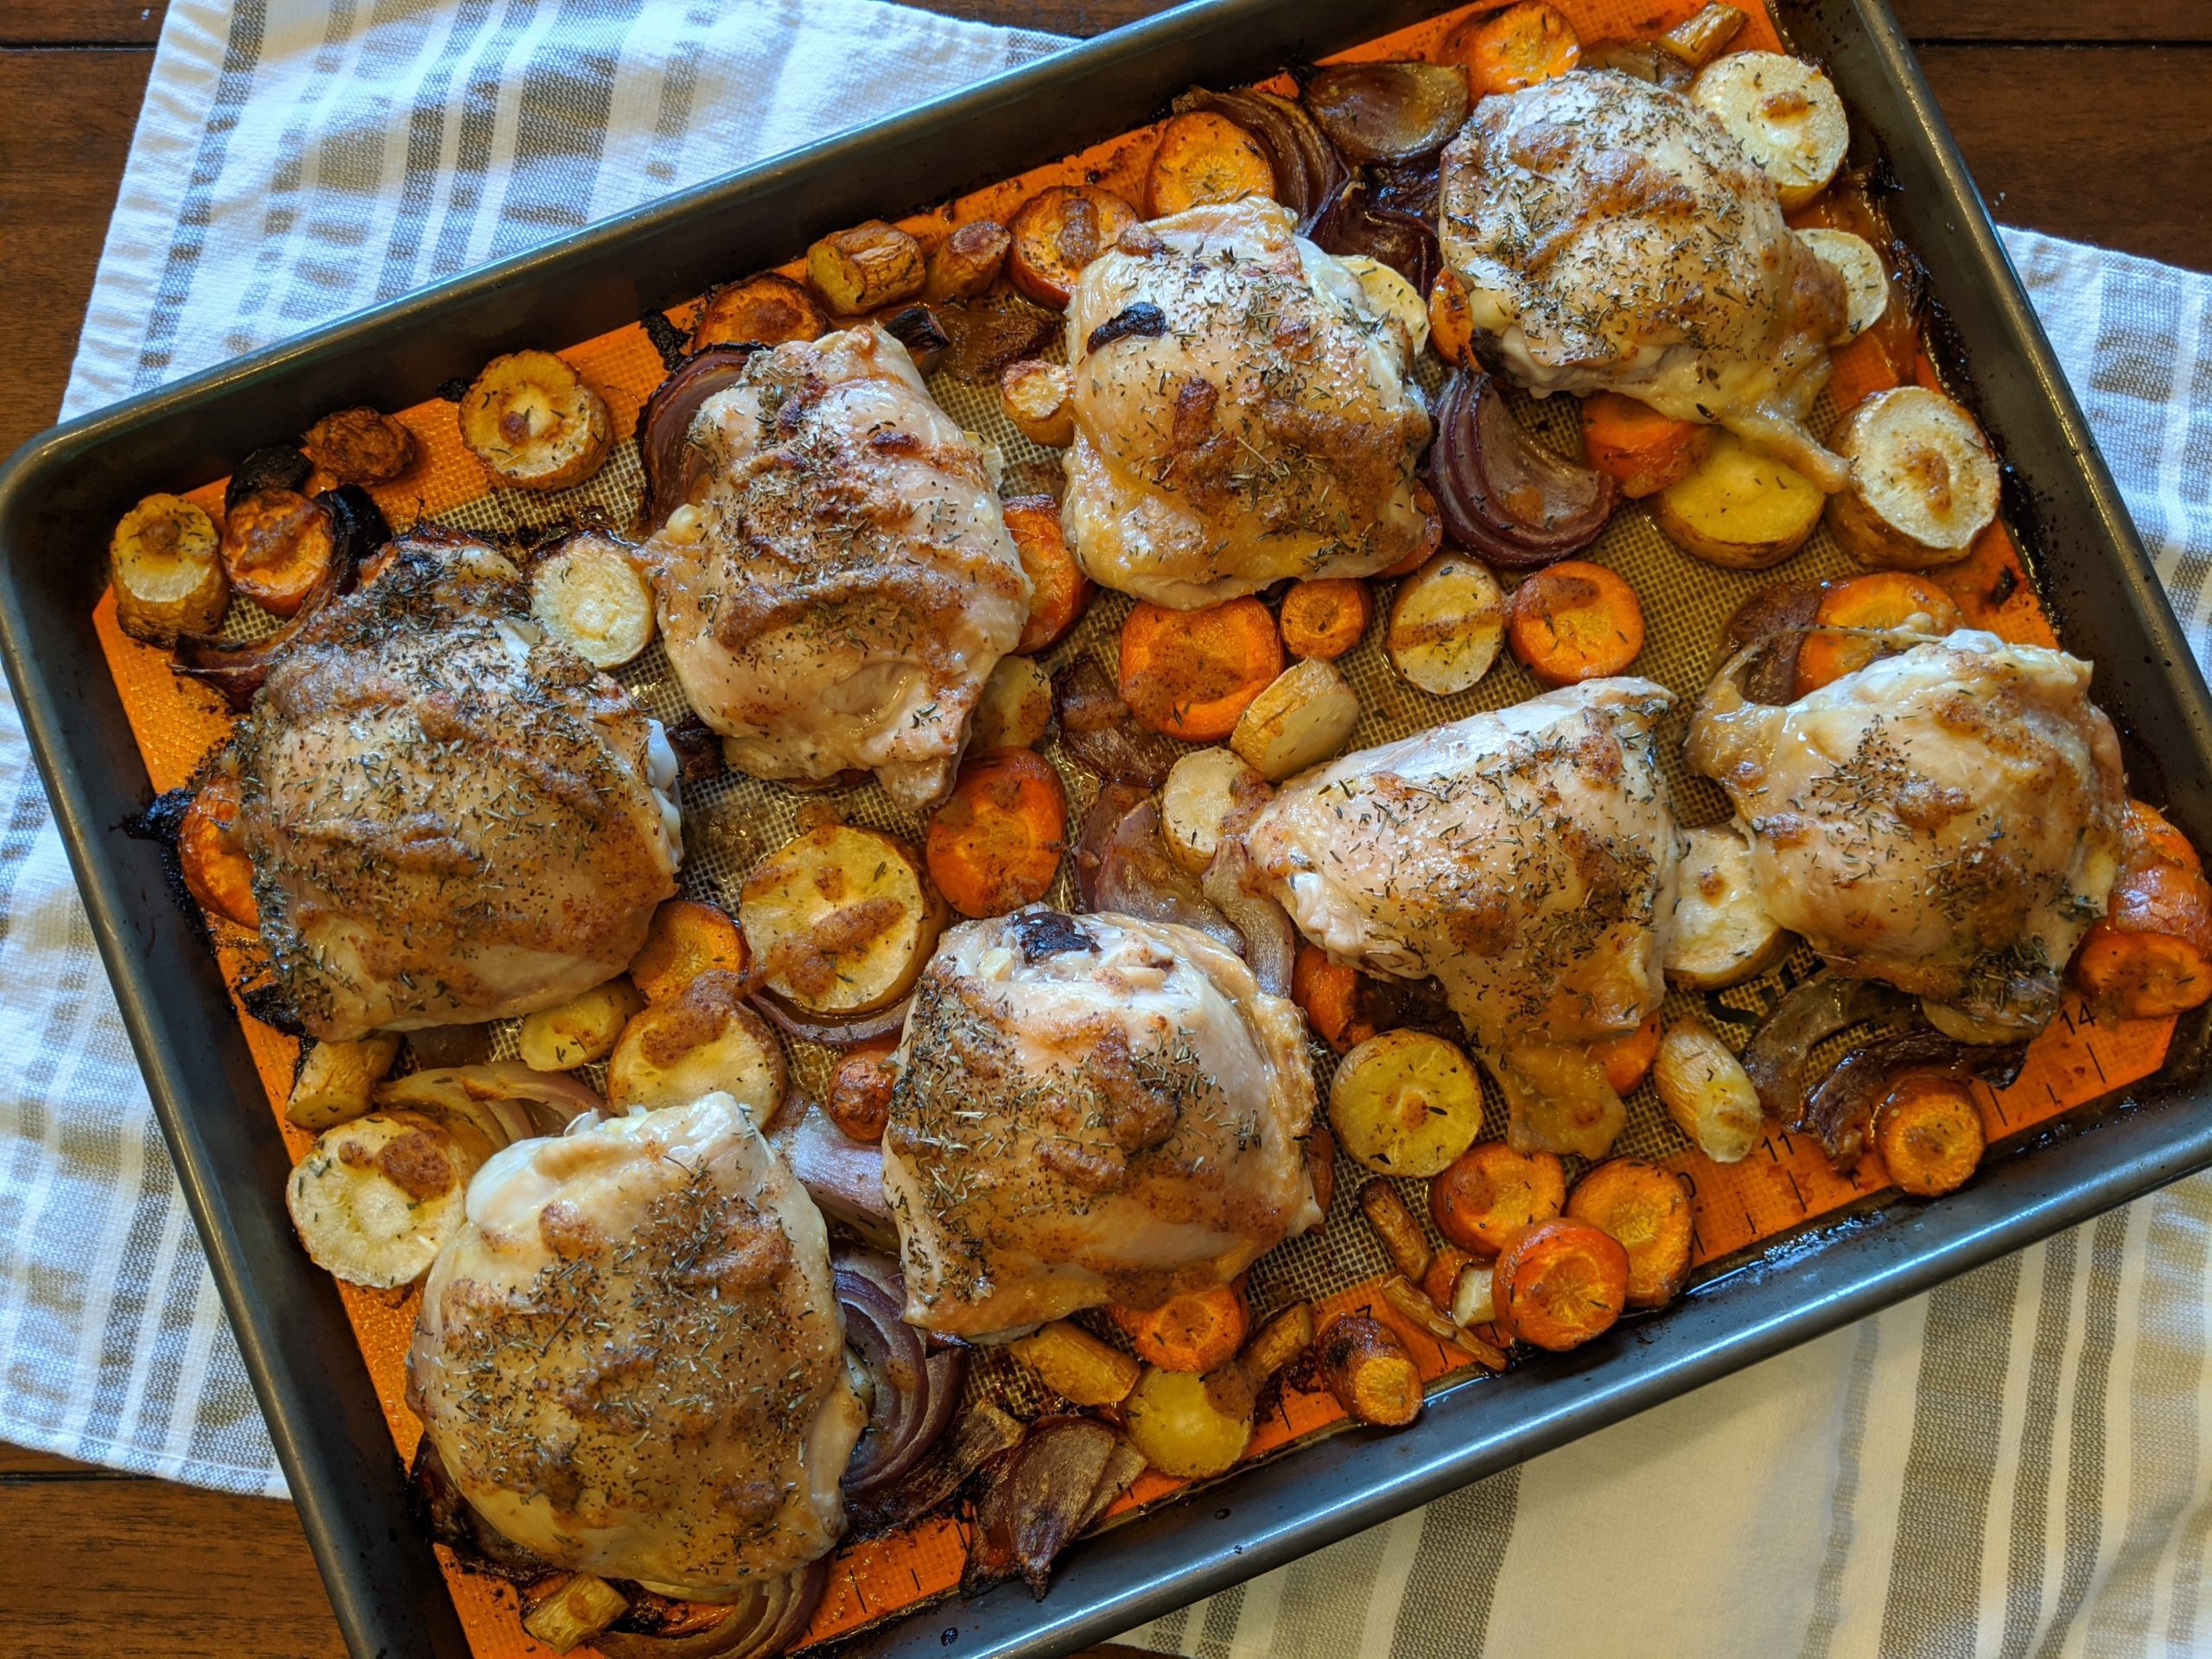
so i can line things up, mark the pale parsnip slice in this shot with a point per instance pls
(1785, 114)
(534, 424)
(1203, 788)
(1707, 1091)
(702, 1039)
(168, 571)
(580, 1030)
(840, 918)
(590, 595)
(1303, 718)
(377, 1199)
(1447, 625)
(1470, 1296)
(1039, 399)
(1924, 481)
(1016, 707)
(1740, 509)
(1390, 294)
(1866, 280)
(1722, 934)
(1406, 1102)
(335, 1082)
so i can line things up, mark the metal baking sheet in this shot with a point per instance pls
(61, 492)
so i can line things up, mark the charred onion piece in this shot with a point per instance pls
(1776, 617)
(1143, 320)
(980, 1433)
(1036, 1501)
(1842, 1105)
(665, 421)
(844, 1176)
(1501, 494)
(1388, 112)
(915, 1389)
(916, 327)
(1352, 224)
(1781, 1051)
(1121, 864)
(1098, 731)
(827, 1028)
(767, 1621)
(279, 467)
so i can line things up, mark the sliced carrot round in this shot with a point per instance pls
(686, 938)
(1575, 621)
(1883, 599)
(1059, 593)
(1931, 1135)
(2141, 976)
(1450, 324)
(215, 872)
(277, 546)
(1198, 1331)
(1627, 1058)
(1190, 674)
(2149, 838)
(1204, 157)
(1559, 1283)
(1491, 1191)
(1646, 1211)
(1642, 449)
(1326, 619)
(995, 843)
(1329, 993)
(1514, 48)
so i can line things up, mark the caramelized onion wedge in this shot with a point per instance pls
(665, 421)
(1236, 889)
(1842, 1106)
(914, 1387)
(1388, 112)
(1777, 1058)
(1501, 494)
(1037, 1500)
(1121, 864)
(763, 1623)
(1308, 171)
(1100, 734)
(844, 1176)
(828, 1029)
(980, 1433)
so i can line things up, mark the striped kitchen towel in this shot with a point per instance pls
(2017, 1463)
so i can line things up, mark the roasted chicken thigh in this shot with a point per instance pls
(451, 817)
(1525, 859)
(1614, 238)
(631, 1360)
(1946, 819)
(841, 583)
(1089, 1109)
(1242, 413)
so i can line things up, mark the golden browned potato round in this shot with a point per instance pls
(1740, 509)
(168, 571)
(534, 424)
(841, 919)
(1923, 481)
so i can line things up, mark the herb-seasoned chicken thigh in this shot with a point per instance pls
(1525, 859)
(841, 583)
(631, 1360)
(451, 817)
(1614, 238)
(1089, 1109)
(1946, 819)
(1242, 413)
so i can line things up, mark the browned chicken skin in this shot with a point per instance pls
(1089, 1109)
(451, 817)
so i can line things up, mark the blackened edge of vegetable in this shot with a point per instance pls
(671, 341)
(161, 821)
(273, 466)
(453, 391)
(698, 748)
(1043, 934)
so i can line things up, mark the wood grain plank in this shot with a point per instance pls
(2054, 19)
(78, 22)
(62, 147)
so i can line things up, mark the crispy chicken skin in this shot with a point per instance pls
(1269, 428)
(451, 817)
(1089, 1109)
(632, 1360)
(1525, 859)
(845, 582)
(1614, 238)
(1946, 819)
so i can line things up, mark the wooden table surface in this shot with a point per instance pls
(2085, 118)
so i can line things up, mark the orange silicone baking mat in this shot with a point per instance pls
(729, 823)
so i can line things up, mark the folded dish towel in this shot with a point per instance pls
(2020, 1463)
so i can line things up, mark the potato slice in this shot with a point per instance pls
(580, 1030)
(377, 1197)
(1406, 1102)
(1924, 481)
(1707, 1091)
(1389, 295)
(1866, 280)
(590, 595)
(704, 1038)
(1447, 625)
(534, 424)
(873, 264)
(1722, 935)
(1740, 509)
(1039, 399)
(167, 572)
(1203, 788)
(1303, 718)
(1077, 1365)
(1470, 1296)
(1015, 711)
(1182, 1430)
(840, 918)
(335, 1081)
(967, 262)
(1784, 113)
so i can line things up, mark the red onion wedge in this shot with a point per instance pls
(1121, 864)
(844, 1176)
(915, 1386)
(768, 1620)
(1500, 494)
(833, 1030)
(1098, 731)
(1781, 1051)
(1840, 1107)
(505, 1098)
(1269, 940)
(1388, 112)
(980, 1433)
(664, 424)
(1037, 1500)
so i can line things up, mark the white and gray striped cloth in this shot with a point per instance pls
(2020, 1463)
